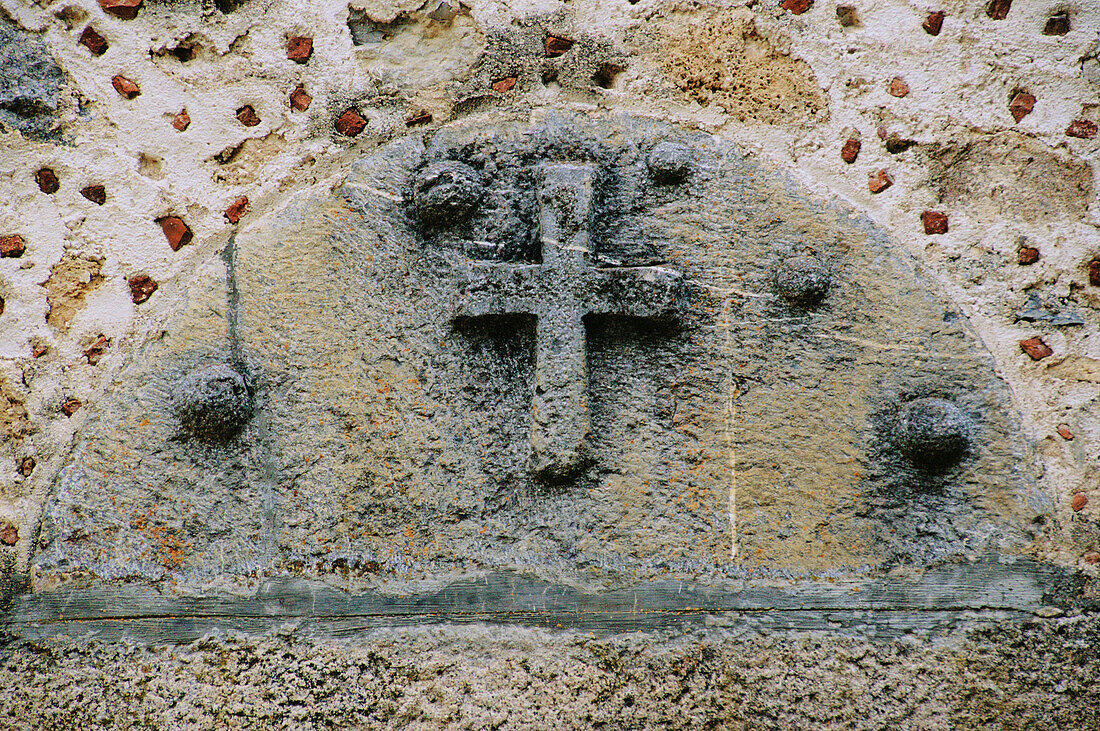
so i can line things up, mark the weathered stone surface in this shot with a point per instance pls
(30, 86)
(408, 379)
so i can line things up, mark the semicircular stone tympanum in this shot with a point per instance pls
(593, 353)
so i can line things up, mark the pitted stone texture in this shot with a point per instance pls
(30, 85)
(213, 402)
(392, 442)
(933, 433)
(803, 280)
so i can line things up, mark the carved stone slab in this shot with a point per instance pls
(595, 354)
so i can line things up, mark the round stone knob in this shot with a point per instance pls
(932, 432)
(213, 402)
(669, 162)
(803, 280)
(446, 193)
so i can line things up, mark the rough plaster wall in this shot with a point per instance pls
(1003, 184)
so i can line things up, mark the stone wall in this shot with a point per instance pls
(140, 141)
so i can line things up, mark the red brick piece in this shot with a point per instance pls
(176, 231)
(95, 193)
(1094, 272)
(238, 209)
(94, 42)
(12, 246)
(9, 535)
(1092, 557)
(125, 87)
(299, 48)
(1021, 105)
(998, 9)
(1082, 128)
(880, 181)
(506, 84)
(350, 123)
(1065, 433)
(37, 351)
(1027, 255)
(71, 406)
(1057, 25)
(898, 87)
(934, 23)
(47, 181)
(300, 99)
(125, 9)
(1036, 348)
(418, 118)
(26, 467)
(142, 287)
(246, 115)
(1078, 502)
(95, 352)
(797, 7)
(850, 151)
(182, 121)
(556, 46)
(934, 222)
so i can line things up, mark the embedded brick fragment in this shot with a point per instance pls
(299, 48)
(27, 465)
(176, 231)
(181, 121)
(125, 87)
(847, 16)
(895, 143)
(9, 534)
(1057, 25)
(70, 406)
(300, 99)
(418, 119)
(12, 246)
(1082, 128)
(898, 87)
(1094, 272)
(1027, 255)
(1021, 105)
(93, 41)
(350, 123)
(238, 208)
(125, 9)
(850, 151)
(47, 181)
(556, 46)
(142, 287)
(95, 193)
(1065, 433)
(1078, 502)
(1091, 557)
(247, 116)
(797, 7)
(505, 84)
(934, 23)
(880, 181)
(934, 222)
(998, 9)
(95, 352)
(1036, 348)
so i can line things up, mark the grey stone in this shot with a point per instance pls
(30, 85)
(803, 280)
(446, 193)
(933, 432)
(669, 162)
(213, 402)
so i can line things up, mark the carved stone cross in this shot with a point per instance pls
(560, 292)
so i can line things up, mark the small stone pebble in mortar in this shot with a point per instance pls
(447, 192)
(669, 162)
(803, 280)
